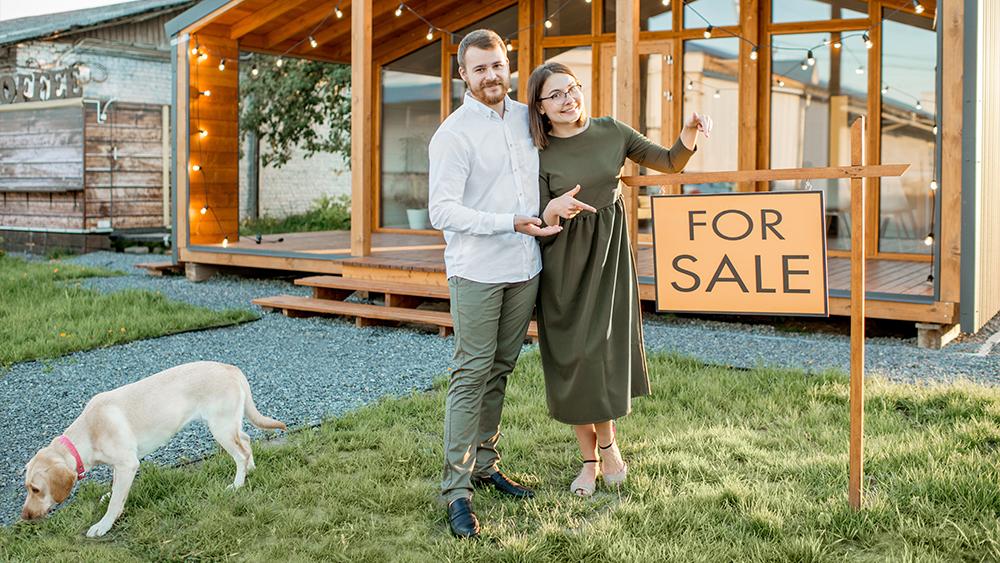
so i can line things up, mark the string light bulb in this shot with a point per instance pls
(548, 24)
(312, 42)
(206, 93)
(510, 46)
(929, 239)
(837, 44)
(885, 89)
(203, 133)
(708, 31)
(781, 83)
(254, 71)
(399, 10)
(225, 242)
(430, 33)
(690, 85)
(868, 40)
(202, 56)
(204, 210)
(804, 65)
(280, 62)
(934, 129)
(338, 12)
(860, 70)
(717, 95)
(222, 64)
(918, 105)
(918, 7)
(934, 185)
(753, 54)
(666, 3)
(196, 167)
(194, 50)
(811, 59)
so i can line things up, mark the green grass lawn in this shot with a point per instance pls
(45, 313)
(725, 466)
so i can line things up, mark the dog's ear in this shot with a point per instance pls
(61, 480)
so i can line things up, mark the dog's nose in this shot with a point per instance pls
(25, 514)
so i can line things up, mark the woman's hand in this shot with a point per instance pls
(695, 124)
(565, 206)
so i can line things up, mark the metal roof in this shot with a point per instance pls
(61, 23)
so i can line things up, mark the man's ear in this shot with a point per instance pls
(61, 482)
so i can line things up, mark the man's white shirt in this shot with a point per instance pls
(483, 172)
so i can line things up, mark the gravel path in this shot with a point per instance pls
(304, 370)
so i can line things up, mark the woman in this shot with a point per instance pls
(589, 321)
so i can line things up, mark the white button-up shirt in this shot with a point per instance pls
(483, 172)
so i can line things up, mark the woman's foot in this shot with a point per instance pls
(586, 482)
(613, 467)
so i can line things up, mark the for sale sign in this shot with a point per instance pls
(742, 253)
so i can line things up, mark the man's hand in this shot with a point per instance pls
(532, 226)
(565, 206)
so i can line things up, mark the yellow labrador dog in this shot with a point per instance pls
(120, 426)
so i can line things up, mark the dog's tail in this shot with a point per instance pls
(253, 415)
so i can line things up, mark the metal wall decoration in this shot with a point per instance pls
(40, 86)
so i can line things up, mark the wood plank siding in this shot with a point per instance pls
(41, 166)
(988, 224)
(124, 167)
(215, 186)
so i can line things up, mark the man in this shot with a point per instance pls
(484, 195)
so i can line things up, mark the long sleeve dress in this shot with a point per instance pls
(589, 321)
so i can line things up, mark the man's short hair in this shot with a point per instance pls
(481, 39)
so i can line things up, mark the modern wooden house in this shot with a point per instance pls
(783, 80)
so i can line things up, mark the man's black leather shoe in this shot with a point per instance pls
(502, 484)
(462, 519)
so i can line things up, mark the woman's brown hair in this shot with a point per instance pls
(538, 123)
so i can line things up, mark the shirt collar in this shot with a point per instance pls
(484, 109)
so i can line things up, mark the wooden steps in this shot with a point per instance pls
(161, 268)
(401, 302)
(337, 287)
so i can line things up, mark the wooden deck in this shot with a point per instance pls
(898, 289)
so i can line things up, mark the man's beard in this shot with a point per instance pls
(481, 95)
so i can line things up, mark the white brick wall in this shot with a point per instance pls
(128, 79)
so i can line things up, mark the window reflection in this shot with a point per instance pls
(411, 112)
(710, 12)
(813, 105)
(909, 117)
(813, 10)
(567, 18)
(711, 71)
(653, 15)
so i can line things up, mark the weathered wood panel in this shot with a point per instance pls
(42, 210)
(124, 167)
(41, 149)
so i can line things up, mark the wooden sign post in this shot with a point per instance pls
(765, 253)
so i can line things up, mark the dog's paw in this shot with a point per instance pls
(234, 486)
(98, 530)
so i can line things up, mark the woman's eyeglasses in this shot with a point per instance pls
(560, 96)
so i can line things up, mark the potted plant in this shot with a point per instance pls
(414, 200)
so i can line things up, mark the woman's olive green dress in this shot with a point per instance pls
(589, 321)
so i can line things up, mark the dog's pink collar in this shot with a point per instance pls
(80, 471)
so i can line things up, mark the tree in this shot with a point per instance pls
(282, 104)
